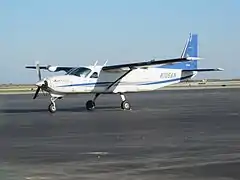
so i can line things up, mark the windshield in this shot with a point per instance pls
(81, 72)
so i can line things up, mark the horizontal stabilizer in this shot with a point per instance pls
(194, 58)
(204, 70)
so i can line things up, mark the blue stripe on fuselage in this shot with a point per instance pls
(108, 83)
(167, 81)
(87, 84)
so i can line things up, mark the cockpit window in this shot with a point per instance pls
(94, 75)
(81, 72)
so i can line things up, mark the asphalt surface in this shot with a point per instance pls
(175, 134)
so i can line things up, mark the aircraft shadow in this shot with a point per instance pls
(75, 109)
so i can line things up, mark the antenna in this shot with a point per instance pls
(95, 63)
(105, 63)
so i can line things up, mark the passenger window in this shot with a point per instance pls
(94, 75)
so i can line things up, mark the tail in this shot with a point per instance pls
(190, 50)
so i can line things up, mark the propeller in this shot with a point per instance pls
(36, 93)
(38, 70)
(39, 78)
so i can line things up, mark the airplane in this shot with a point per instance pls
(121, 78)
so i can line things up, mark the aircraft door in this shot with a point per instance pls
(91, 81)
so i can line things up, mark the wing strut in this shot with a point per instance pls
(116, 81)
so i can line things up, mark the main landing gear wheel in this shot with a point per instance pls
(52, 108)
(90, 105)
(125, 105)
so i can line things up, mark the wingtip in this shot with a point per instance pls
(29, 66)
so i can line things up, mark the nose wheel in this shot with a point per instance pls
(52, 106)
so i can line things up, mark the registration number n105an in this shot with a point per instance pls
(168, 75)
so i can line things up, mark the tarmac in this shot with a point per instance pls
(170, 135)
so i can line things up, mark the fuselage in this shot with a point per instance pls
(94, 80)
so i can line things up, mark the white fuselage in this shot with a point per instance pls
(137, 80)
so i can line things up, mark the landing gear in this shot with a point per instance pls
(125, 105)
(52, 106)
(90, 105)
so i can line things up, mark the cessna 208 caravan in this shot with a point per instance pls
(119, 79)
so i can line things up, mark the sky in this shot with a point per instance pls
(79, 32)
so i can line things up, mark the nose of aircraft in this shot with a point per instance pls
(42, 83)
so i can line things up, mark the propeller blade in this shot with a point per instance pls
(36, 93)
(38, 71)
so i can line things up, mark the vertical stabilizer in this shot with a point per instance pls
(190, 50)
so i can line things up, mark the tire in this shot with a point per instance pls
(52, 108)
(125, 105)
(90, 105)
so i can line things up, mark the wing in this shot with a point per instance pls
(53, 68)
(204, 70)
(127, 67)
